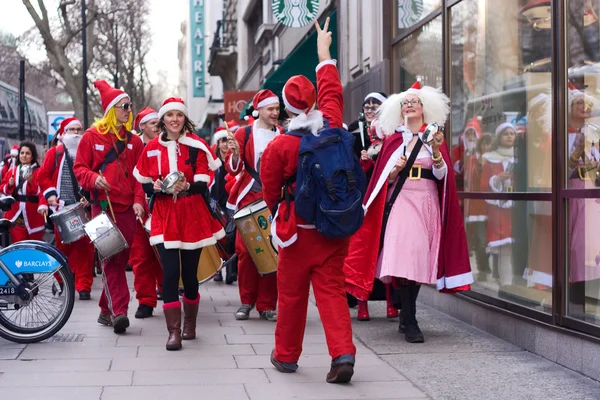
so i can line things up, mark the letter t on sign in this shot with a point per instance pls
(198, 3)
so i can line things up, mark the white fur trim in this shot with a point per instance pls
(324, 63)
(268, 101)
(476, 218)
(201, 178)
(239, 163)
(312, 121)
(178, 244)
(503, 126)
(501, 242)
(50, 189)
(219, 135)
(148, 117)
(172, 106)
(213, 163)
(375, 95)
(540, 278)
(74, 122)
(451, 282)
(140, 178)
(276, 240)
(115, 101)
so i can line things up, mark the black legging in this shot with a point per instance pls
(170, 259)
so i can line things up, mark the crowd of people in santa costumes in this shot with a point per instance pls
(21, 181)
(305, 255)
(113, 181)
(413, 231)
(244, 161)
(182, 224)
(147, 271)
(61, 189)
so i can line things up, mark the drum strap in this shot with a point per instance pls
(112, 155)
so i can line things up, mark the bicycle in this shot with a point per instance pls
(37, 289)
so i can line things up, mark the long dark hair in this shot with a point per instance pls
(188, 126)
(32, 148)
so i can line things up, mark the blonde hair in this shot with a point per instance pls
(109, 123)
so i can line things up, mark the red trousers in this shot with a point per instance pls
(115, 292)
(318, 260)
(80, 255)
(147, 271)
(19, 233)
(254, 288)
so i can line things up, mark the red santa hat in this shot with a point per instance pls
(172, 104)
(233, 125)
(109, 95)
(66, 124)
(435, 107)
(300, 97)
(249, 119)
(144, 116)
(263, 98)
(474, 124)
(14, 151)
(219, 134)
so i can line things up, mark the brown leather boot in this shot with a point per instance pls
(190, 312)
(173, 319)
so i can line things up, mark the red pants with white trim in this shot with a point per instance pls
(19, 233)
(115, 292)
(80, 255)
(315, 259)
(254, 288)
(147, 271)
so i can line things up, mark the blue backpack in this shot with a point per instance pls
(330, 182)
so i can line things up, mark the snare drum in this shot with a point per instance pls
(107, 238)
(254, 225)
(210, 263)
(70, 221)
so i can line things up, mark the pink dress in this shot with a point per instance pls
(412, 238)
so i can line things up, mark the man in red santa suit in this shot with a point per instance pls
(61, 189)
(147, 271)
(243, 161)
(305, 255)
(112, 135)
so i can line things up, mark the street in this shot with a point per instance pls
(230, 360)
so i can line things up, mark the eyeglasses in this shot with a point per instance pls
(370, 108)
(126, 106)
(75, 130)
(407, 103)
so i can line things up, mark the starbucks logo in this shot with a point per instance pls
(409, 12)
(295, 13)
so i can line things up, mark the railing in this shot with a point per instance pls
(225, 36)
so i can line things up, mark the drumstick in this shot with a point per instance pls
(109, 203)
(361, 128)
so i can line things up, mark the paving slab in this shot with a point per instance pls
(221, 392)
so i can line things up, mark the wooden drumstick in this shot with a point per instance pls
(109, 203)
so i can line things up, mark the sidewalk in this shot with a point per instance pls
(230, 360)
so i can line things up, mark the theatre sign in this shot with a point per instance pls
(197, 46)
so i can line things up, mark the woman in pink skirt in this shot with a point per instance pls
(423, 238)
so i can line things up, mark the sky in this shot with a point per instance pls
(165, 18)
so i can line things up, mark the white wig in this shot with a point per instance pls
(435, 108)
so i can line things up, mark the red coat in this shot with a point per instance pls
(454, 267)
(34, 222)
(125, 189)
(475, 209)
(187, 223)
(244, 183)
(280, 159)
(499, 227)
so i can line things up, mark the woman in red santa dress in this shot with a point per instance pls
(181, 222)
(22, 182)
(497, 177)
(424, 239)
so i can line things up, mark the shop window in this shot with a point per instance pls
(419, 56)
(408, 13)
(582, 155)
(501, 139)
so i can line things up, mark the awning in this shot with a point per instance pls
(301, 61)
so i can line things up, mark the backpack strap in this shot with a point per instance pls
(401, 179)
(112, 155)
(250, 169)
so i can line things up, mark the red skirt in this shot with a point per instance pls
(186, 224)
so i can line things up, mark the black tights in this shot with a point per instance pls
(171, 261)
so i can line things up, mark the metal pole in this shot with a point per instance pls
(84, 62)
(22, 100)
(116, 56)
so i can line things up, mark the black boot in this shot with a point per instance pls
(412, 333)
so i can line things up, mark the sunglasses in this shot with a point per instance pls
(126, 106)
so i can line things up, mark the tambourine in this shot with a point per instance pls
(168, 184)
(431, 130)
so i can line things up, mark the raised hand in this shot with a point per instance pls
(323, 40)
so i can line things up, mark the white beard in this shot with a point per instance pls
(71, 142)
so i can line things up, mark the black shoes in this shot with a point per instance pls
(84, 295)
(144, 311)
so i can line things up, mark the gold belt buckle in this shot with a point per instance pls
(582, 172)
(509, 189)
(416, 177)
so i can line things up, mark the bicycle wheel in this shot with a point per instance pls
(45, 313)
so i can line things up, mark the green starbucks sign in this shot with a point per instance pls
(295, 13)
(409, 13)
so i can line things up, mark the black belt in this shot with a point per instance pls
(28, 199)
(416, 173)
